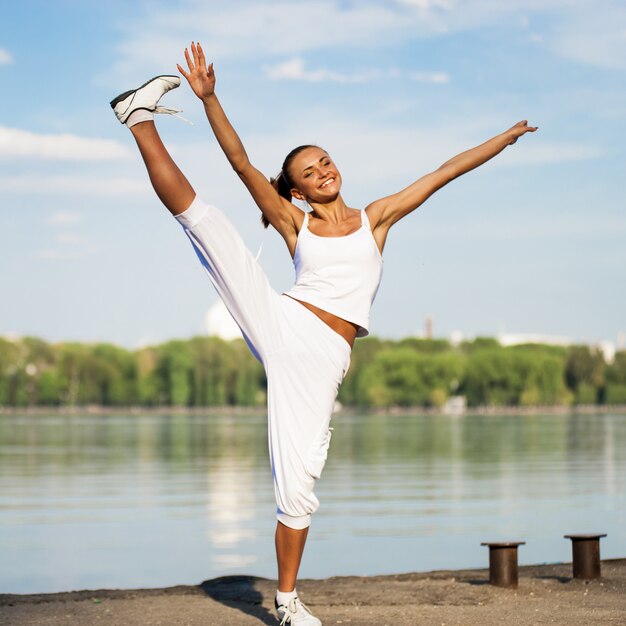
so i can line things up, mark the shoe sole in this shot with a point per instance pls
(125, 95)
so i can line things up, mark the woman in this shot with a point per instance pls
(304, 337)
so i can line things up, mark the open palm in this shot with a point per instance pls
(201, 77)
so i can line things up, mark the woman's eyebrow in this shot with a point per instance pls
(308, 167)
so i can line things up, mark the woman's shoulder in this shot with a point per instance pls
(374, 212)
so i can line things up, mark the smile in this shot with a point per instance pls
(328, 182)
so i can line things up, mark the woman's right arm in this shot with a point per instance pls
(281, 214)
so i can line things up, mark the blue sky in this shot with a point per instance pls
(533, 241)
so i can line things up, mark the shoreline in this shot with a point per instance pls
(96, 410)
(546, 594)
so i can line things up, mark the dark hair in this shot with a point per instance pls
(283, 182)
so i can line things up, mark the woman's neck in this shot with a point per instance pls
(334, 212)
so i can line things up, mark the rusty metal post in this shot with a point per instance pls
(503, 562)
(586, 555)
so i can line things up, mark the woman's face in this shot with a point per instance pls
(315, 176)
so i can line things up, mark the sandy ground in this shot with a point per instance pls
(547, 594)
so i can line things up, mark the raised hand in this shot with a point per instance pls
(201, 77)
(521, 128)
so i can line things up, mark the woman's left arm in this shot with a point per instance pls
(387, 211)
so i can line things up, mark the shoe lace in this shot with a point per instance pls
(292, 609)
(174, 112)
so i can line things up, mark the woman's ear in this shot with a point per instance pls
(297, 194)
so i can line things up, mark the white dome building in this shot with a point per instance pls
(218, 322)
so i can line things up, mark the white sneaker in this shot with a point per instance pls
(296, 613)
(145, 97)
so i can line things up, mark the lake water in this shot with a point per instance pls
(151, 501)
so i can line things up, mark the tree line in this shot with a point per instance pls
(207, 371)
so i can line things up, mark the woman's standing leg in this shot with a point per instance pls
(289, 548)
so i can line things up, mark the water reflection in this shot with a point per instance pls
(157, 500)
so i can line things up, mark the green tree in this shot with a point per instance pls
(149, 392)
(174, 372)
(401, 376)
(10, 363)
(250, 377)
(495, 377)
(351, 392)
(117, 375)
(616, 380)
(71, 364)
(211, 362)
(426, 346)
(480, 343)
(584, 373)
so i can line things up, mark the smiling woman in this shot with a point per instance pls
(303, 337)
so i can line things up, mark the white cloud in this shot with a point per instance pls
(88, 185)
(583, 31)
(427, 5)
(51, 254)
(65, 217)
(439, 78)
(595, 37)
(21, 143)
(548, 152)
(253, 29)
(5, 57)
(71, 239)
(262, 31)
(294, 70)
(68, 246)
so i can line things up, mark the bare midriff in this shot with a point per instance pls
(342, 327)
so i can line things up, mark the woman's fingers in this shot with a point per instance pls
(201, 57)
(194, 51)
(520, 129)
(196, 60)
(524, 127)
(182, 71)
(189, 61)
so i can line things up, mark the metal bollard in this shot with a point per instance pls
(503, 562)
(586, 555)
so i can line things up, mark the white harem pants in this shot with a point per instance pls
(304, 359)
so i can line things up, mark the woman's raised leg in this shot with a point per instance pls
(170, 184)
(135, 109)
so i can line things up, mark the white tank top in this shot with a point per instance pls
(339, 275)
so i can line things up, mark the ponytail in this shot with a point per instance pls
(282, 186)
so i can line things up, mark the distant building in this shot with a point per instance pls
(456, 338)
(607, 348)
(516, 339)
(428, 327)
(455, 405)
(218, 322)
(11, 337)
